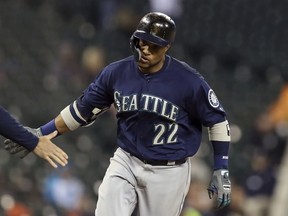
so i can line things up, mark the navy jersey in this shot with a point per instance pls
(12, 129)
(159, 115)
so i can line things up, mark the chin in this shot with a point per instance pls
(143, 65)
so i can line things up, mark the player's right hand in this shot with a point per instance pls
(50, 152)
(45, 149)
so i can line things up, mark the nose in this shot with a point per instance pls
(143, 46)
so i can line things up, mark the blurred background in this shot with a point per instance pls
(50, 50)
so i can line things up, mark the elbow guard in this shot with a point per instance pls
(73, 118)
(219, 135)
(220, 132)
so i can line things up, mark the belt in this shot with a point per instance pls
(164, 162)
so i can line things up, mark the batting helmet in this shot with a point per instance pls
(154, 27)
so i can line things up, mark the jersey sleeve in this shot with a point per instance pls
(12, 129)
(207, 106)
(96, 99)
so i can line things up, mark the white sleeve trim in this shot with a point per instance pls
(71, 123)
(220, 132)
(77, 112)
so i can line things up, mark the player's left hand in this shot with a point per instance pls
(220, 186)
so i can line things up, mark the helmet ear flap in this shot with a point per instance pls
(134, 46)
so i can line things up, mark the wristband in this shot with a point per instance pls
(220, 162)
(48, 128)
(221, 151)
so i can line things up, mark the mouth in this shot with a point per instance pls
(143, 59)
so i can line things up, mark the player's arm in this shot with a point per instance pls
(213, 116)
(219, 136)
(72, 117)
(220, 185)
(82, 112)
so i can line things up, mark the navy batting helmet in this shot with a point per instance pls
(154, 27)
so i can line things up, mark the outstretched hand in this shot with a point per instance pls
(50, 152)
(45, 149)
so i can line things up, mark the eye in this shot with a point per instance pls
(151, 46)
(154, 47)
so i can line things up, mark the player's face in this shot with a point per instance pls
(152, 56)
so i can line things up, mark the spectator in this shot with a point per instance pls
(64, 191)
(259, 186)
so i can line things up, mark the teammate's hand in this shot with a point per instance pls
(18, 150)
(220, 186)
(15, 149)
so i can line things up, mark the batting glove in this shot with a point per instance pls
(18, 150)
(221, 186)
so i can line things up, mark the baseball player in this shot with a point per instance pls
(42, 146)
(162, 104)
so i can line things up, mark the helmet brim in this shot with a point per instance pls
(150, 38)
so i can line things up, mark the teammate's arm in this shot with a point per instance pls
(82, 112)
(41, 146)
(69, 119)
(12, 129)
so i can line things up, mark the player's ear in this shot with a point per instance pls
(167, 47)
